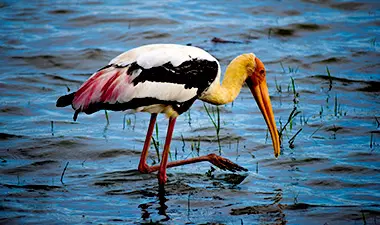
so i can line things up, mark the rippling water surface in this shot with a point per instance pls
(322, 60)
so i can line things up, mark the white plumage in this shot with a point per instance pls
(114, 83)
(149, 56)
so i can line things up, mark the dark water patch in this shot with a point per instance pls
(332, 60)
(59, 80)
(11, 219)
(231, 178)
(135, 193)
(270, 10)
(3, 5)
(282, 32)
(371, 157)
(298, 162)
(309, 26)
(61, 11)
(45, 61)
(334, 183)
(53, 148)
(31, 168)
(33, 187)
(335, 129)
(259, 10)
(224, 41)
(344, 214)
(369, 68)
(349, 6)
(291, 12)
(154, 35)
(371, 86)
(30, 210)
(33, 80)
(225, 138)
(94, 53)
(41, 163)
(292, 29)
(350, 169)
(178, 187)
(121, 177)
(15, 110)
(6, 136)
(88, 20)
(113, 153)
(367, 86)
(273, 210)
(17, 89)
(287, 60)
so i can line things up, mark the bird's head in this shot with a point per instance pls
(257, 83)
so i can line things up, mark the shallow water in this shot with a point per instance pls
(329, 174)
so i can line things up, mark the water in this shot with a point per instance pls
(329, 174)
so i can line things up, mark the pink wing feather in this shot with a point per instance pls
(108, 85)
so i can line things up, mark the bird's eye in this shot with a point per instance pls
(262, 72)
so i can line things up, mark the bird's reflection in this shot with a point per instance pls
(161, 208)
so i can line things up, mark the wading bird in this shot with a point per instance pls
(168, 78)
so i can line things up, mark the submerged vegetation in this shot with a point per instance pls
(214, 117)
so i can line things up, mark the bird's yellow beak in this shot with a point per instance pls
(258, 85)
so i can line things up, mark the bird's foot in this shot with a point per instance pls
(224, 164)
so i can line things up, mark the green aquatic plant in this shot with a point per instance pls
(3, 160)
(293, 69)
(292, 139)
(321, 112)
(295, 93)
(156, 144)
(127, 122)
(363, 218)
(378, 122)
(209, 172)
(338, 111)
(106, 114)
(290, 69)
(282, 66)
(196, 145)
(215, 119)
(303, 119)
(372, 41)
(278, 86)
(183, 143)
(63, 172)
(52, 127)
(330, 78)
(189, 117)
(292, 115)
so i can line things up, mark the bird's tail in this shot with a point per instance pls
(65, 100)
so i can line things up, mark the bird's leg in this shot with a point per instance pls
(216, 160)
(143, 167)
(164, 160)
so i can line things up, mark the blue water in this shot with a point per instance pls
(329, 174)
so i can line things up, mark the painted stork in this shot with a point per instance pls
(168, 78)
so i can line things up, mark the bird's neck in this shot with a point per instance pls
(236, 74)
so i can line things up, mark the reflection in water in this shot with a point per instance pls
(161, 209)
(162, 206)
